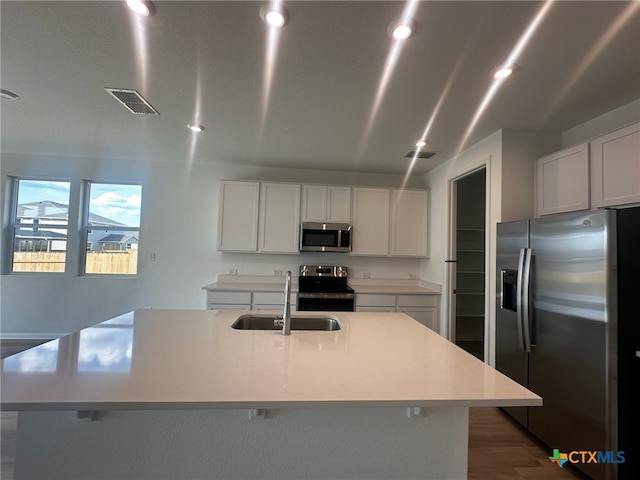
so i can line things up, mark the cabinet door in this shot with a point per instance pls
(322, 203)
(386, 302)
(409, 210)
(426, 316)
(339, 204)
(562, 181)
(370, 221)
(615, 167)
(314, 203)
(238, 216)
(223, 300)
(279, 218)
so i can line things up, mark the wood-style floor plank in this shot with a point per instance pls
(500, 449)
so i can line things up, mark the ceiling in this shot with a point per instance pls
(328, 104)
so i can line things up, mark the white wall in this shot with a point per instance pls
(613, 120)
(488, 153)
(179, 223)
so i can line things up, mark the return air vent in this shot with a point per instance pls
(421, 154)
(133, 101)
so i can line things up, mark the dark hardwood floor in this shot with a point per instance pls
(499, 449)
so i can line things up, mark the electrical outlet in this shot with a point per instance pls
(152, 256)
(277, 273)
(233, 271)
(412, 276)
(366, 275)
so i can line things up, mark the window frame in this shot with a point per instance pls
(86, 227)
(13, 225)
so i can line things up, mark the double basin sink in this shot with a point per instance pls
(271, 322)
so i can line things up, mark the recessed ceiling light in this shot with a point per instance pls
(401, 30)
(194, 127)
(141, 7)
(274, 16)
(504, 72)
(8, 95)
(421, 143)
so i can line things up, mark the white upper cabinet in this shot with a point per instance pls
(615, 167)
(409, 213)
(390, 222)
(279, 226)
(321, 203)
(562, 181)
(370, 222)
(238, 216)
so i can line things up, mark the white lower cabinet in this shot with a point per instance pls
(366, 302)
(228, 300)
(428, 316)
(615, 167)
(423, 308)
(271, 301)
(246, 300)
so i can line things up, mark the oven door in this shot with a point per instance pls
(326, 302)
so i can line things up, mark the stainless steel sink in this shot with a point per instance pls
(271, 322)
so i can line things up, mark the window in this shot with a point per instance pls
(112, 228)
(39, 224)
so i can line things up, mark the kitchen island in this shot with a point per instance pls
(180, 394)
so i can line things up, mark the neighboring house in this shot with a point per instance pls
(117, 241)
(31, 237)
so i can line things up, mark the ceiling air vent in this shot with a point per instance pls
(421, 154)
(133, 101)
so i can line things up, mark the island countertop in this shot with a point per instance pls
(193, 359)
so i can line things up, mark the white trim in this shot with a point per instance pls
(448, 299)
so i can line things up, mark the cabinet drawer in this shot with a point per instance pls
(372, 300)
(234, 298)
(272, 308)
(227, 306)
(417, 301)
(269, 298)
(375, 309)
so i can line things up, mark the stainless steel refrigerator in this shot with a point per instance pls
(568, 328)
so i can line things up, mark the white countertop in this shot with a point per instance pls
(190, 359)
(379, 286)
(249, 286)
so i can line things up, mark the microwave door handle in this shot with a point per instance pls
(526, 317)
(519, 285)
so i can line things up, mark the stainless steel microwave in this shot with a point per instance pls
(325, 237)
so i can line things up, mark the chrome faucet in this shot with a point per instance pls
(286, 315)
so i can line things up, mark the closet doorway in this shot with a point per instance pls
(469, 289)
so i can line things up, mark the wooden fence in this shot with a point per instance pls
(113, 262)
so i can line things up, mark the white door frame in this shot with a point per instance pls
(449, 299)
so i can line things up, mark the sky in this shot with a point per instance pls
(116, 202)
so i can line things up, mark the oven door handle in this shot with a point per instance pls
(338, 296)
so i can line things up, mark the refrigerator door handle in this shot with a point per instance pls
(519, 297)
(526, 318)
